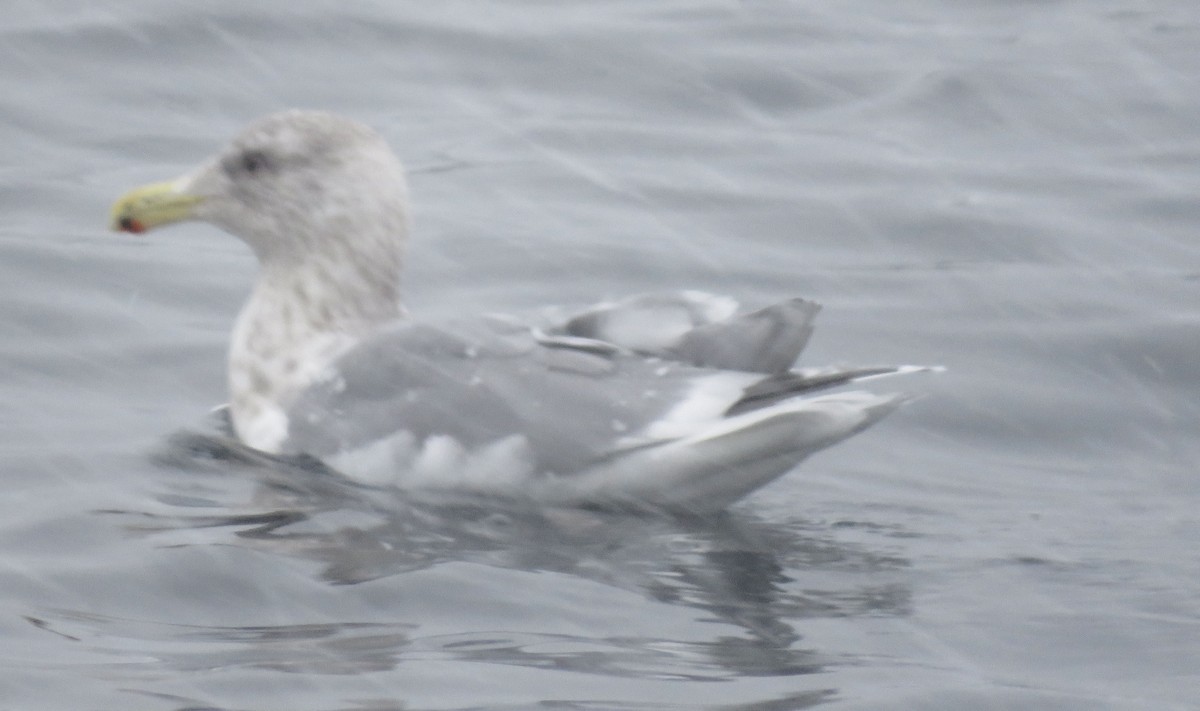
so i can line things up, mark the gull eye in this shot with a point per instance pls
(254, 162)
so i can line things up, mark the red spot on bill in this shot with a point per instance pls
(128, 224)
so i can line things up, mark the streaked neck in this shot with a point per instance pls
(299, 319)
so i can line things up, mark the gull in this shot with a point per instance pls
(678, 400)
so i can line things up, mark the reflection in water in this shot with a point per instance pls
(338, 648)
(759, 577)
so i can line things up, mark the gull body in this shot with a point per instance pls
(673, 400)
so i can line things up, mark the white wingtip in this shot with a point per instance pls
(903, 370)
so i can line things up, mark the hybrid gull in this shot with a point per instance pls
(672, 400)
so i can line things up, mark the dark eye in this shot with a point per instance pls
(255, 162)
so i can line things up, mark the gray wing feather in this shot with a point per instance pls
(650, 323)
(766, 341)
(781, 386)
(478, 386)
(702, 330)
(575, 400)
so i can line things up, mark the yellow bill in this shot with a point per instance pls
(152, 205)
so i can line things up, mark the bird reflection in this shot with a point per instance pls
(761, 578)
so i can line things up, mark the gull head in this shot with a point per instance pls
(322, 202)
(288, 185)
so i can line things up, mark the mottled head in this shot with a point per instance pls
(290, 184)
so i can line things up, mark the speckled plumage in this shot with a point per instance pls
(324, 207)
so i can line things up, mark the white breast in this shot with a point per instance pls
(273, 357)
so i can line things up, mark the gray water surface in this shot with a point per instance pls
(1008, 189)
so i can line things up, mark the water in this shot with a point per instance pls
(1008, 189)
